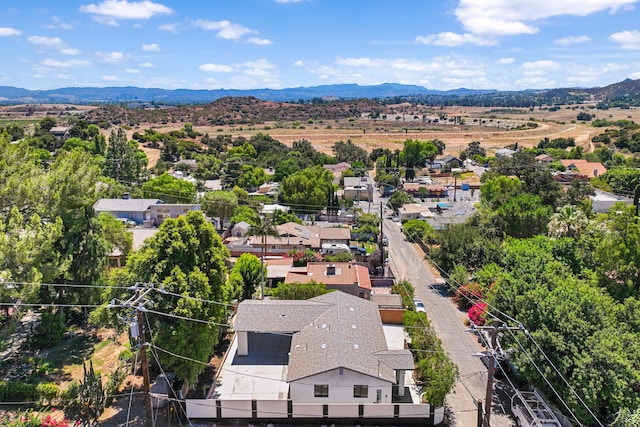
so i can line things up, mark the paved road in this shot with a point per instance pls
(447, 321)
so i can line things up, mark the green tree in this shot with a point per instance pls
(186, 257)
(249, 267)
(349, 152)
(498, 190)
(568, 221)
(399, 198)
(306, 191)
(219, 204)
(416, 229)
(122, 162)
(169, 189)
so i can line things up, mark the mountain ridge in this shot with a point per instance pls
(626, 91)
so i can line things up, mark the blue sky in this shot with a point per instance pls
(248, 44)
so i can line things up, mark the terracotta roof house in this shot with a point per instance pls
(344, 276)
(338, 352)
(543, 158)
(337, 170)
(583, 168)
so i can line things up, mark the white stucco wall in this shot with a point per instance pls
(340, 388)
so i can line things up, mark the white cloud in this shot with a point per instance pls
(111, 57)
(299, 63)
(454, 39)
(72, 63)
(58, 25)
(502, 18)
(7, 31)
(110, 11)
(226, 29)
(148, 65)
(70, 51)
(627, 39)
(566, 41)
(110, 78)
(259, 41)
(46, 41)
(260, 63)
(545, 65)
(173, 28)
(361, 62)
(53, 43)
(131, 71)
(153, 47)
(505, 61)
(635, 76)
(216, 68)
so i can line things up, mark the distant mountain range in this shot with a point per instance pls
(627, 91)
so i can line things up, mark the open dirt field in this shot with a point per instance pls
(494, 128)
(496, 132)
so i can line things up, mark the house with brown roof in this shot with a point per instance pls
(583, 169)
(337, 170)
(343, 276)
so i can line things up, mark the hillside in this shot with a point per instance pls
(627, 91)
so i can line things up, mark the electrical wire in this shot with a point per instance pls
(473, 301)
(135, 363)
(175, 316)
(535, 365)
(157, 359)
(564, 379)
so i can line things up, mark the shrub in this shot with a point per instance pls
(477, 312)
(404, 288)
(467, 295)
(48, 392)
(14, 391)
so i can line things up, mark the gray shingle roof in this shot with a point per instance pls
(277, 315)
(348, 335)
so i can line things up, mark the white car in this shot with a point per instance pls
(419, 305)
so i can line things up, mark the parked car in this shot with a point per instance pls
(385, 241)
(419, 305)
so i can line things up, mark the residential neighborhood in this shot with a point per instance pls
(368, 288)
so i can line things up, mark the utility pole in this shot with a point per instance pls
(137, 303)
(146, 383)
(496, 327)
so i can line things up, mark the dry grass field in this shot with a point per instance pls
(492, 127)
(493, 134)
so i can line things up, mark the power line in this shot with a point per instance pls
(157, 359)
(563, 379)
(547, 380)
(175, 316)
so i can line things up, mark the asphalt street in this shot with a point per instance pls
(448, 322)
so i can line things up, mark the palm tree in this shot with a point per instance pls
(263, 227)
(456, 175)
(568, 221)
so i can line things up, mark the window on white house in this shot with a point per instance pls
(360, 391)
(321, 390)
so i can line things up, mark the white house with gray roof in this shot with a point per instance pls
(338, 352)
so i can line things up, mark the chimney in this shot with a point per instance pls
(331, 270)
(125, 196)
